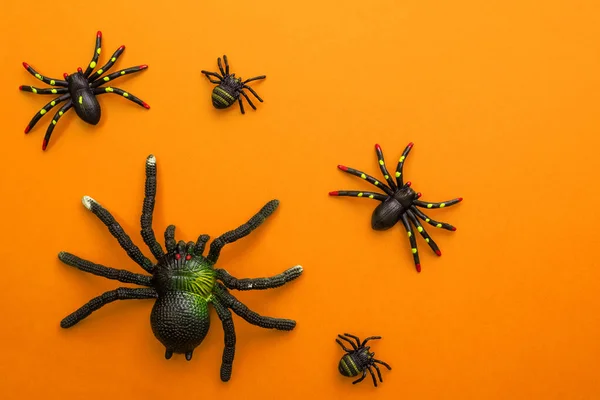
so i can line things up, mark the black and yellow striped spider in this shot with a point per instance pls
(399, 203)
(80, 89)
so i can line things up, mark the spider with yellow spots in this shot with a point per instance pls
(399, 204)
(80, 89)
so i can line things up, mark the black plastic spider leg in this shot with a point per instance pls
(354, 346)
(148, 209)
(170, 242)
(356, 193)
(413, 242)
(344, 347)
(121, 293)
(378, 372)
(221, 66)
(383, 168)
(430, 221)
(424, 233)
(254, 79)
(118, 233)
(353, 337)
(259, 283)
(120, 275)
(443, 204)
(108, 65)
(401, 164)
(44, 110)
(128, 96)
(364, 342)
(201, 243)
(229, 330)
(117, 74)
(45, 79)
(248, 99)
(241, 105)
(382, 363)
(226, 65)
(242, 231)
(364, 375)
(253, 92)
(372, 375)
(96, 55)
(209, 74)
(368, 178)
(66, 107)
(36, 90)
(228, 300)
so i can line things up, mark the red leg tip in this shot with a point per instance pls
(439, 253)
(99, 34)
(343, 168)
(146, 106)
(460, 199)
(411, 144)
(453, 228)
(418, 266)
(408, 183)
(79, 70)
(27, 129)
(25, 65)
(334, 193)
(65, 75)
(21, 87)
(44, 144)
(419, 195)
(378, 147)
(143, 66)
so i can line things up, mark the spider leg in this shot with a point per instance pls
(378, 372)
(148, 209)
(209, 74)
(170, 242)
(364, 375)
(120, 275)
(44, 110)
(96, 55)
(356, 193)
(226, 65)
(353, 337)
(354, 346)
(36, 90)
(430, 221)
(229, 330)
(108, 65)
(241, 231)
(221, 66)
(121, 293)
(117, 74)
(401, 164)
(259, 283)
(248, 99)
(45, 79)
(201, 243)
(118, 233)
(369, 338)
(382, 363)
(254, 79)
(241, 105)
(228, 300)
(128, 96)
(383, 168)
(66, 107)
(413, 242)
(253, 92)
(366, 177)
(424, 233)
(344, 347)
(372, 375)
(443, 204)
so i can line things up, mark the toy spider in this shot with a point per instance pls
(399, 204)
(183, 282)
(80, 89)
(359, 359)
(229, 87)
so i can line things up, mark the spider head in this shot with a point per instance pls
(406, 195)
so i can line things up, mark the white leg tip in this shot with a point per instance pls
(298, 268)
(87, 202)
(151, 160)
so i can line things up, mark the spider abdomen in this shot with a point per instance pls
(350, 365)
(224, 96)
(387, 214)
(84, 101)
(180, 320)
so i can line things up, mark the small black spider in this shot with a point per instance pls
(360, 359)
(80, 89)
(229, 87)
(400, 204)
(184, 282)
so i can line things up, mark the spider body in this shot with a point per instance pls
(184, 282)
(229, 88)
(79, 90)
(399, 204)
(359, 359)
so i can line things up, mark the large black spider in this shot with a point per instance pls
(229, 87)
(80, 89)
(399, 204)
(359, 359)
(183, 282)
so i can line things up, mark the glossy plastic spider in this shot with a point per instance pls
(399, 204)
(229, 87)
(359, 359)
(183, 282)
(80, 89)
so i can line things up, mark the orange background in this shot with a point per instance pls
(501, 99)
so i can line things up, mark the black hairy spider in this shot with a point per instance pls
(359, 359)
(229, 87)
(183, 282)
(399, 204)
(80, 89)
